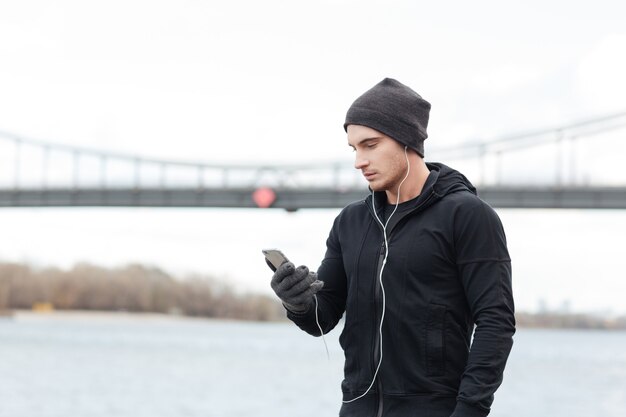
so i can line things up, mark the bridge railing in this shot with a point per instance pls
(558, 156)
(27, 163)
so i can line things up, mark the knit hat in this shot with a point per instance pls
(395, 110)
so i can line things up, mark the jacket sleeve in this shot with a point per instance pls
(331, 299)
(484, 268)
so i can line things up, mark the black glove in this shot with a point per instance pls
(295, 286)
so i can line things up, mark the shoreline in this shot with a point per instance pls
(524, 320)
(101, 316)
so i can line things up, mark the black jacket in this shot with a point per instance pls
(448, 270)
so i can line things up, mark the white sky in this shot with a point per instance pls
(247, 81)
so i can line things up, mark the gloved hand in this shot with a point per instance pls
(295, 286)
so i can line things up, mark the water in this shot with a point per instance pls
(133, 366)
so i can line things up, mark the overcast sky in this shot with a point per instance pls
(248, 81)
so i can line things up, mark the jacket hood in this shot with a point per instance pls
(448, 180)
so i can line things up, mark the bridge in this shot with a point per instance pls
(538, 169)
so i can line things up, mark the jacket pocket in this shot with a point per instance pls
(435, 342)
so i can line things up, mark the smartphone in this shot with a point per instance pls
(274, 258)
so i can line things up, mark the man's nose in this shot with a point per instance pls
(360, 162)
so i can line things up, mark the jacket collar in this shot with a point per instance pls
(441, 181)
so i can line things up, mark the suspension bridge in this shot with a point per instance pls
(548, 168)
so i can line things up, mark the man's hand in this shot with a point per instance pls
(295, 286)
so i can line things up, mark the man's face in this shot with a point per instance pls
(380, 158)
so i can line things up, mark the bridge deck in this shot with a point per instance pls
(293, 199)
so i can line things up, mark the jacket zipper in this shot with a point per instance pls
(377, 296)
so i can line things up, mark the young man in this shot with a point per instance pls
(414, 267)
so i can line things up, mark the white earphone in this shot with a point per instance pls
(380, 277)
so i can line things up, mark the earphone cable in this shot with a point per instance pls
(317, 320)
(380, 277)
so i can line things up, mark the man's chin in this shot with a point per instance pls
(377, 186)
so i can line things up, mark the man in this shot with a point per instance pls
(414, 267)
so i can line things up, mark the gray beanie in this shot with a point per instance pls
(395, 110)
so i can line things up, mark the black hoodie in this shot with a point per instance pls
(448, 270)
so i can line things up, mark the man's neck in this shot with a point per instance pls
(413, 185)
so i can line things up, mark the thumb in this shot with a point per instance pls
(316, 286)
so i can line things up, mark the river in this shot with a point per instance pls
(123, 365)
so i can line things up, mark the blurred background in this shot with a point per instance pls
(140, 140)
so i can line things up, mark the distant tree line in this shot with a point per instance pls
(570, 321)
(132, 288)
(137, 288)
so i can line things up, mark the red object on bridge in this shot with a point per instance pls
(264, 197)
